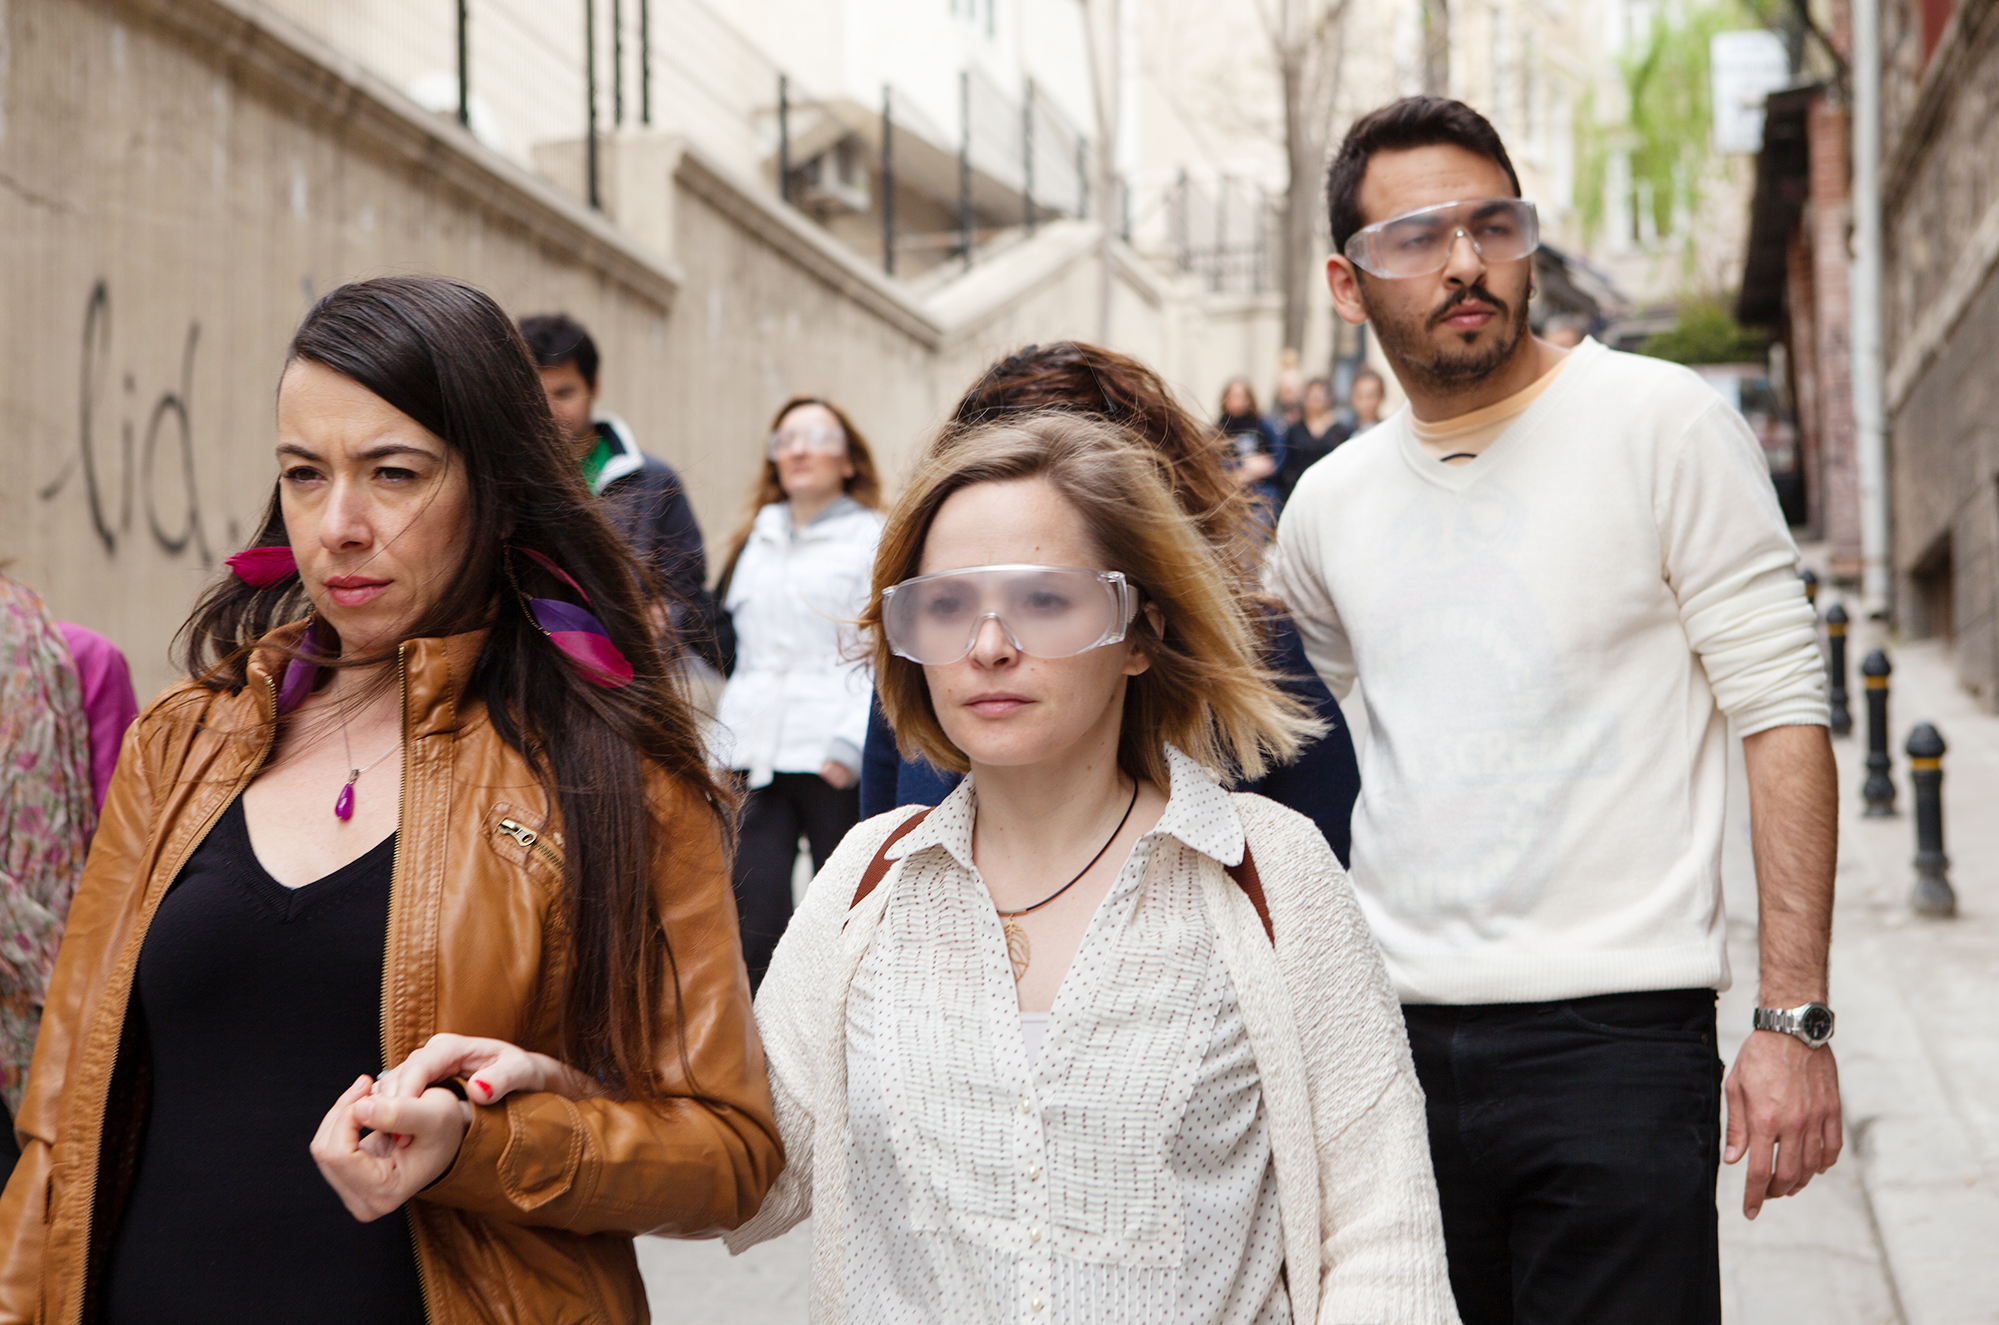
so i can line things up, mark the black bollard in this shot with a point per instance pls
(1932, 895)
(1879, 789)
(1835, 666)
(1811, 579)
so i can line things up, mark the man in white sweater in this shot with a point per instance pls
(1558, 576)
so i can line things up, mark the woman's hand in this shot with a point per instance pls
(838, 774)
(413, 1142)
(493, 1069)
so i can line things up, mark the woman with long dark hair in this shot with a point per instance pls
(794, 716)
(1077, 378)
(1257, 449)
(427, 802)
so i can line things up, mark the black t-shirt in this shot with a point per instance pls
(1302, 450)
(262, 1003)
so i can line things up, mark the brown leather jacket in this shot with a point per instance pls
(534, 1221)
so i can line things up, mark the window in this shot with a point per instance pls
(975, 13)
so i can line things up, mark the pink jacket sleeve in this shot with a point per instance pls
(108, 701)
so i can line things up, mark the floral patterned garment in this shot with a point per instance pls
(46, 816)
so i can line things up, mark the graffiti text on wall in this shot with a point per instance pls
(163, 475)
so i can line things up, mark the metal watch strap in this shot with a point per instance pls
(1793, 1022)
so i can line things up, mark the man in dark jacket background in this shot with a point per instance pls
(642, 495)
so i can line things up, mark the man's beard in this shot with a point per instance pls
(1453, 368)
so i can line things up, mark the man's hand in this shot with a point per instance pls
(1782, 1094)
(838, 775)
(1784, 1097)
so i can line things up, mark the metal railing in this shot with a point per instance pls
(1227, 234)
(573, 71)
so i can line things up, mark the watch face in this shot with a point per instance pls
(1815, 1021)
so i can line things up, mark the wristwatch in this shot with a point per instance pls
(1811, 1023)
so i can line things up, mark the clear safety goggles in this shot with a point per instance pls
(1044, 611)
(1420, 242)
(820, 440)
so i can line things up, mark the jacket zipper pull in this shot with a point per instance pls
(520, 832)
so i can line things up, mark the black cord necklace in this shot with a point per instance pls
(1018, 951)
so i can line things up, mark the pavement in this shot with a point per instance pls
(1905, 1229)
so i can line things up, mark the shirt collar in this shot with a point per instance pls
(1198, 813)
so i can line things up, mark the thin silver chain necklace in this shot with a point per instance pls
(343, 805)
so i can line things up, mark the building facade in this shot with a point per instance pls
(1940, 191)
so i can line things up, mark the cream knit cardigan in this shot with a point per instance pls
(1348, 1136)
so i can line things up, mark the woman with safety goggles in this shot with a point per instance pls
(794, 715)
(1078, 378)
(1094, 1039)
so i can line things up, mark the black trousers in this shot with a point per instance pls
(774, 817)
(1576, 1145)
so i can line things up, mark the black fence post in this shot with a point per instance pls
(784, 137)
(888, 181)
(590, 97)
(1181, 221)
(1932, 895)
(1835, 666)
(645, 61)
(464, 64)
(965, 165)
(617, 62)
(1027, 156)
(1083, 180)
(1221, 232)
(1879, 789)
(1811, 579)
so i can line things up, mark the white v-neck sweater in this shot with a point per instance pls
(1550, 642)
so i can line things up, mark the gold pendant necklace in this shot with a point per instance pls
(1019, 952)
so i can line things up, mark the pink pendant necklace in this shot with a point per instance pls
(343, 805)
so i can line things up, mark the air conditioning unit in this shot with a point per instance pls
(839, 176)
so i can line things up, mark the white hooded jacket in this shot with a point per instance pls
(800, 692)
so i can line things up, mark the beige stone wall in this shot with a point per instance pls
(180, 178)
(175, 189)
(1941, 329)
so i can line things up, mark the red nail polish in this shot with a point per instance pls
(484, 1089)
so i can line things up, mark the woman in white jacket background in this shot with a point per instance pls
(794, 715)
(1093, 1042)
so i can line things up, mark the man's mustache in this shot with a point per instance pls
(1478, 292)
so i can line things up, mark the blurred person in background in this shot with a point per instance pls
(794, 715)
(47, 812)
(1288, 400)
(1324, 780)
(1312, 438)
(1258, 448)
(108, 701)
(641, 494)
(1365, 397)
(398, 816)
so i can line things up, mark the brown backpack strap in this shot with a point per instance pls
(1247, 879)
(877, 869)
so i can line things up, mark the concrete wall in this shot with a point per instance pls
(180, 178)
(1941, 332)
(176, 186)
(1945, 455)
